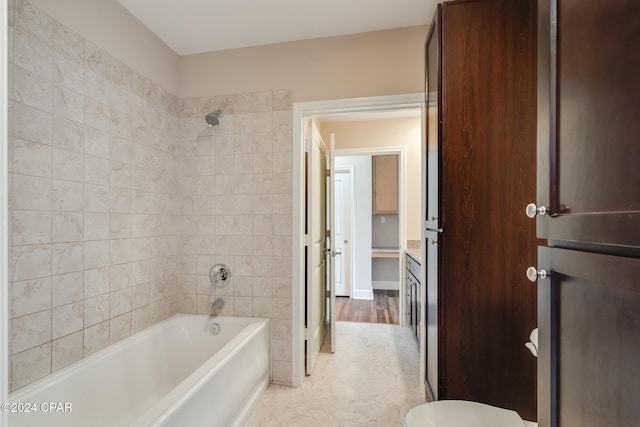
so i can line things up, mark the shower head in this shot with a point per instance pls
(214, 118)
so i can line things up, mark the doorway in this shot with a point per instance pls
(378, 218)
(301, 111)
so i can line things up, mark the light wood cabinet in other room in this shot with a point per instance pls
(385, 185)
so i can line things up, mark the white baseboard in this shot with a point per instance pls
(362, 294)
(385, 285)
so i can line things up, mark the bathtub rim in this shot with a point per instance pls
(54, 378)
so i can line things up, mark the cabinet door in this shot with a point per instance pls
(588, 127)
(487, 307)
(589, 340)
(385, 185)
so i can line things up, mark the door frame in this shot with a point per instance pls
(302, 110)
(351, 171)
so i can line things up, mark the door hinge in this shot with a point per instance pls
(306, 333)
(307, 145)
(307, 239)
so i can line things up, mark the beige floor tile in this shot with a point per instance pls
(371, 380)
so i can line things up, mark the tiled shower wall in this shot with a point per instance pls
(94, 201)
(236, 187)
(122, 199)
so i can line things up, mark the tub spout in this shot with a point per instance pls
(215, 306)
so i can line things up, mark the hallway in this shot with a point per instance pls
(372, 380)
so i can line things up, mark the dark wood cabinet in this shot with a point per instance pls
(588, 127)
(481, 169)
(414, 290)
(589, 329)
(589, 182)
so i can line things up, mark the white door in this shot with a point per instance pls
(333, 254)
(342, 229)
(316, 172)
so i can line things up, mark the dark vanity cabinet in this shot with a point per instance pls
(414, 290)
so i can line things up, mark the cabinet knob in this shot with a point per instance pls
(534, 274)
(532, 210)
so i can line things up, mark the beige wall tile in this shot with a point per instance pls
(281, 350)
(97, 170)
(67, 134)
(68, 103)
(30, 20)
(32, 90)
(67, 288)
(31, 262)
(68, 73)
(119, 302)
(96, 338)
(119, 328)
(66, 320)
(68, 165)
(68, 196)
(31, 365)
(96, 310)
(140, 319)
(97, 143)
(31, 192)
(281, 372)
(68, 43)
(30, 296)
(96, 254)
(96, 198)
(33, 55)
(66, 350)
(30, 331)
(67, 257)
(31, 158)
(31, 227)
(67, 227)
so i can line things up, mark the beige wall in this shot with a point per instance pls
(369, 64)
(112, 28)
(385, 133)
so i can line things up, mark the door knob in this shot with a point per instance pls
(346, 242)
(532, 210)
(333, 253)
(534, 274)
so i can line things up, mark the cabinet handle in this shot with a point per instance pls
(534, 274)
(532, 210)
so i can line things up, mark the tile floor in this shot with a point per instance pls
(371, 380)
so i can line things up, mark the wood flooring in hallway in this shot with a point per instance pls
(382, 309)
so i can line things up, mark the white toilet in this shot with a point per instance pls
(461, 413)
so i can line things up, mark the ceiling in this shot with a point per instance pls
(196, 26)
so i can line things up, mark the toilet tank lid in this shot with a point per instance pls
(460, 413)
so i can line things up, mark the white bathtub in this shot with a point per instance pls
(175, 373)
